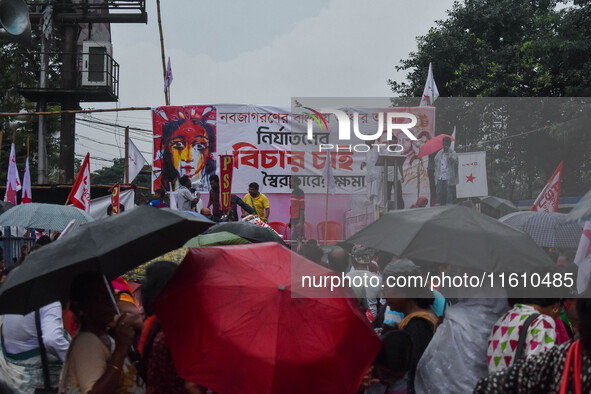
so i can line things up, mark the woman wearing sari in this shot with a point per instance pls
(95, 363)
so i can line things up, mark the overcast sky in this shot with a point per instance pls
(256, 52)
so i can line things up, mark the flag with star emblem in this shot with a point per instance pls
(430, 93)
(583, 258)
(472, 175)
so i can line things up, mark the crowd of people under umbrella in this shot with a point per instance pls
(234, 316)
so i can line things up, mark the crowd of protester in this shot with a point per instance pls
(107, 338)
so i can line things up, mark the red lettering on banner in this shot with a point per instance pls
(296, 159)
(270, 161)
(248, 157)
(319, 160)
(345, 160)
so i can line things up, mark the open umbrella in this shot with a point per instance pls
(44, 216)
(113, 246)
(235, 324)
(548, 229)
(221, 238)
(433, 145)
(455, 235)
(496, 206)
(248, 231)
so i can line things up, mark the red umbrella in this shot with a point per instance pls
(433, 145)
(234, 324)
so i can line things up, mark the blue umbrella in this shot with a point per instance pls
(44, 216)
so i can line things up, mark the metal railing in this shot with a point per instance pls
(106, 78)
(139, 5)
(12, 248)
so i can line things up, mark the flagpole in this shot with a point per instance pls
(419, 177)
(162, 48)
(326, 213)
(126, 175)
(28, 146)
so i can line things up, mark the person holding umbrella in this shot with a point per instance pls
(95, 362)
(414, 301)
(157, 363)
(32, 343)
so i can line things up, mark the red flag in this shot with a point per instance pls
(80, 194)
(115, 198)
(547, 201)
(226, 184)
(26, 192)
(13, 183)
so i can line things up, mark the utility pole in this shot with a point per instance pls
(68, 120)
(71, 91)
(41, 145)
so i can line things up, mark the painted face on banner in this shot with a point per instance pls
(189, 149)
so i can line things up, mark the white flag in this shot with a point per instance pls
(26, 190)
(328, 174)
(472, 175)
(453, 140)
(583, 258)
(136, 161)
(430, 93)
(168, 77)
(173, 200)
(13, 182)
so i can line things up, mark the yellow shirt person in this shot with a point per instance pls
(257, 200)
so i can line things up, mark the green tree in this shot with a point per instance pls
(512, 48)
(19, 67)
(115, 174)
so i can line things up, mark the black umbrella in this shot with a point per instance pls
(112, 246)
(5, 206)
(249, 231)
(496, 206)
(456, 235)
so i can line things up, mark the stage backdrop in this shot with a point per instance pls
(268, 145)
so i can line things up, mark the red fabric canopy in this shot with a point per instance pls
(233, 326)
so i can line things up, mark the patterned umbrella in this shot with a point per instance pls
(44, 216)
(548, 229)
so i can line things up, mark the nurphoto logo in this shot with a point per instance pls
(344, 122)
